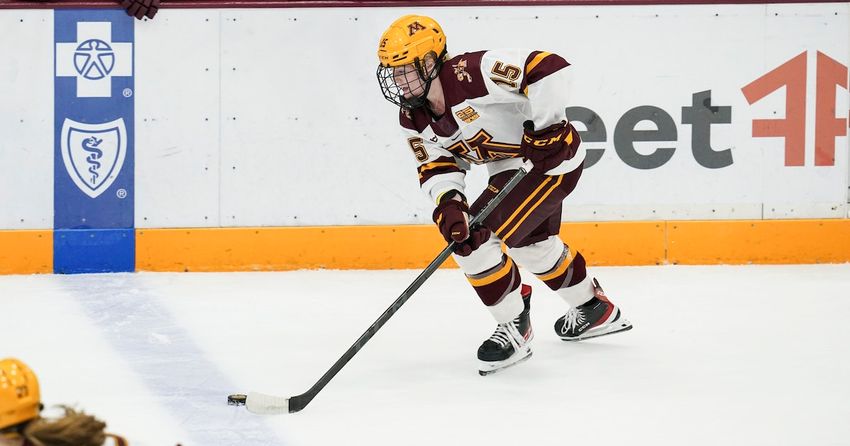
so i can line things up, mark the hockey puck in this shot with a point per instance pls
(237, 399)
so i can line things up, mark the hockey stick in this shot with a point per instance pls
(270, 405)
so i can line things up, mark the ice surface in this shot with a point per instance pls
(720, 355)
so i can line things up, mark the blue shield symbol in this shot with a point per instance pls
(94, 153)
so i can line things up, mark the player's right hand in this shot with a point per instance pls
(452, 218)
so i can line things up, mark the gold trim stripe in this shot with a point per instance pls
(493, 277)
(434, 166)
(536, 61)
(532, 65)
(565, 264)
(530, 210)
(430, 166)
(521, 206)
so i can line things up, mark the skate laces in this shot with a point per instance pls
(503, 335)
(572, 319)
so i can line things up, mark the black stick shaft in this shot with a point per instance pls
(298, 402)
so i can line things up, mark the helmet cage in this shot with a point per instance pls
(394, 92)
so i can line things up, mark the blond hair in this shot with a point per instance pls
(73, 429)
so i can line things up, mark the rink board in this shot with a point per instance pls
(238, 134)
(602, 244)
(26, 252)
(414, 246)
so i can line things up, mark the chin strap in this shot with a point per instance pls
(422, 101)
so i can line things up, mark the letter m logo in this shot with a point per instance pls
(414, 27)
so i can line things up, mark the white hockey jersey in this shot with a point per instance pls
(489, 94)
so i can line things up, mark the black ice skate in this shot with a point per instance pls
(509, 343)
(597, 317)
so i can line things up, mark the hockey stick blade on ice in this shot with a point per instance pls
(263, 404)
(260, 403)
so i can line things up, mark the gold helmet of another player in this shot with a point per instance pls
(20, 396)
(412, 41)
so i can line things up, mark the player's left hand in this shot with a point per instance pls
(547, 148)
(477, 236)
(141, 8)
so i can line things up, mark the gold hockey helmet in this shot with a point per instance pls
(410, 39)
(20, 396)
(411, 53)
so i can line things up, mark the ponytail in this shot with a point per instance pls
(73, 429)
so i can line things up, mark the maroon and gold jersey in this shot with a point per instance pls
(489, 94)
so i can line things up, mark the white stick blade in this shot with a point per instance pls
(262, 404)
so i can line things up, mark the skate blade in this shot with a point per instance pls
(489, 370)
(616, 327)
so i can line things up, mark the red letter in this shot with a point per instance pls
(827, 126)
(792, 75)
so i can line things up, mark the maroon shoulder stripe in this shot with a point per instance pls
(540, 64)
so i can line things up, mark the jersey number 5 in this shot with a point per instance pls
(418, 147)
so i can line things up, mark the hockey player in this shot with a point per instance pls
(21, 422)
(496, 108)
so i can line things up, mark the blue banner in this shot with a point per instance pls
(94, 135)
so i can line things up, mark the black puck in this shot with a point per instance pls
(236, 400)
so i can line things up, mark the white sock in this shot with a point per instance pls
(579, 293)
(508, 308)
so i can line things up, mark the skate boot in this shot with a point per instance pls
(508, 345)
(594, 318)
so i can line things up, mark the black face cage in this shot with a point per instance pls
(395, 94)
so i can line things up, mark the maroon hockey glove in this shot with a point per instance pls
(141, 8)
(477, 237)
(546, 148)
(452, 218)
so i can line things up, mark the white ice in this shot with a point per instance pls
(719, 355)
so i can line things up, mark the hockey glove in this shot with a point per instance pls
(477, 237)
(141, 8)
(452, 218)
(547, 148)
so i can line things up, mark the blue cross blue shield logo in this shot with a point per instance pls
(94, 59)
(93, 153)
(93, 128)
